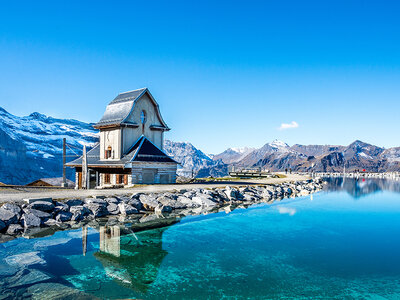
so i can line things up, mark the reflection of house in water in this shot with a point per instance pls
(132, 260)
(110, 241)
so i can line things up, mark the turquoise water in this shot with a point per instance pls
(342, 243)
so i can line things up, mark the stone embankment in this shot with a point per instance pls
(386, 175)
(16, 219)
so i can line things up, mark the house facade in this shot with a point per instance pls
(130, 150)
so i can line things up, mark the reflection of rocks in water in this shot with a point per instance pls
(358, 187)
(131, 259)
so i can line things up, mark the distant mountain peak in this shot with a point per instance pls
(38, 116)
(241, 149)
(278, 144)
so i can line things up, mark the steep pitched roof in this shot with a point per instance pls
(146, 151)
(118, 110)
(142, 151)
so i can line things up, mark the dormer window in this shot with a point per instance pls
(143, 117)
(107, 152)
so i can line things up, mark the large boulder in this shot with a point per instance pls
(59, 206)
(79, 212)
(30, 220)
(232, 194)
(136, 203)
(149, 203)
(81, 209)
(111, 200)
(187, 202)
(163, 209)
(8, 216)
(74, 202)
(113, 209)
(63, 216)
(42, 206)
(97, 210)
(12, 207)
(38, 213)
(204, 200)
(127, 209)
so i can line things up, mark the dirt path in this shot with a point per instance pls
(18, 194)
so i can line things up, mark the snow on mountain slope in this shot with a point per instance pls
(32, 130)
(233, 155)
(36, 141)
(189, 157)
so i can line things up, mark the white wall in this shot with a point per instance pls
(130, 135)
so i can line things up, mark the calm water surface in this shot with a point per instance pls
(340, 243)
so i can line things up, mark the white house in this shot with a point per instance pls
(130, 150)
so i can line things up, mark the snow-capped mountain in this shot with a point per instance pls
(190, 158)
(233, 155)
(31, 146)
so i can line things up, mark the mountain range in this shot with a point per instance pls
(31, 148)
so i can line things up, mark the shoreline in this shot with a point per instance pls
(20, 193)
(143, 209)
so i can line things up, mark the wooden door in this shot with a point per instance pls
(125, 179)
(79, 180)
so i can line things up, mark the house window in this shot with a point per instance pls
(107, 153)
(143, 117)
(107, 178)
(120, 179)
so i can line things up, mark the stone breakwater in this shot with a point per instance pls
(17, 219)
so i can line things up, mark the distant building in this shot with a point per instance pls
(130, 147)
(51, 182)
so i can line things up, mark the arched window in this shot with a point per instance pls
(143, 117)
(108, 151)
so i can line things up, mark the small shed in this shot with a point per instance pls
(56, 182)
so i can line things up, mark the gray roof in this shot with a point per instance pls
(56, 181)
(120, 108)
(142, 151)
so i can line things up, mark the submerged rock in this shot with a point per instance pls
(24, 259)
(52, 290)
(14, 229)
(28, 277)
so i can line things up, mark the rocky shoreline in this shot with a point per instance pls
(38, 214)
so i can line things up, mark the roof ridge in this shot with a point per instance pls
(144, 88)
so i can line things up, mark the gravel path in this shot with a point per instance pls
(18, 194)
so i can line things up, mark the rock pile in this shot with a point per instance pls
(15, 219)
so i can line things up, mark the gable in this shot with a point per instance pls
(144, 103)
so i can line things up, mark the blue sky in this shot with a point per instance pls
(225, 73)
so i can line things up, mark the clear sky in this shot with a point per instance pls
(225, 74)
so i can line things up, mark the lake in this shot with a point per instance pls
(343, 242)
